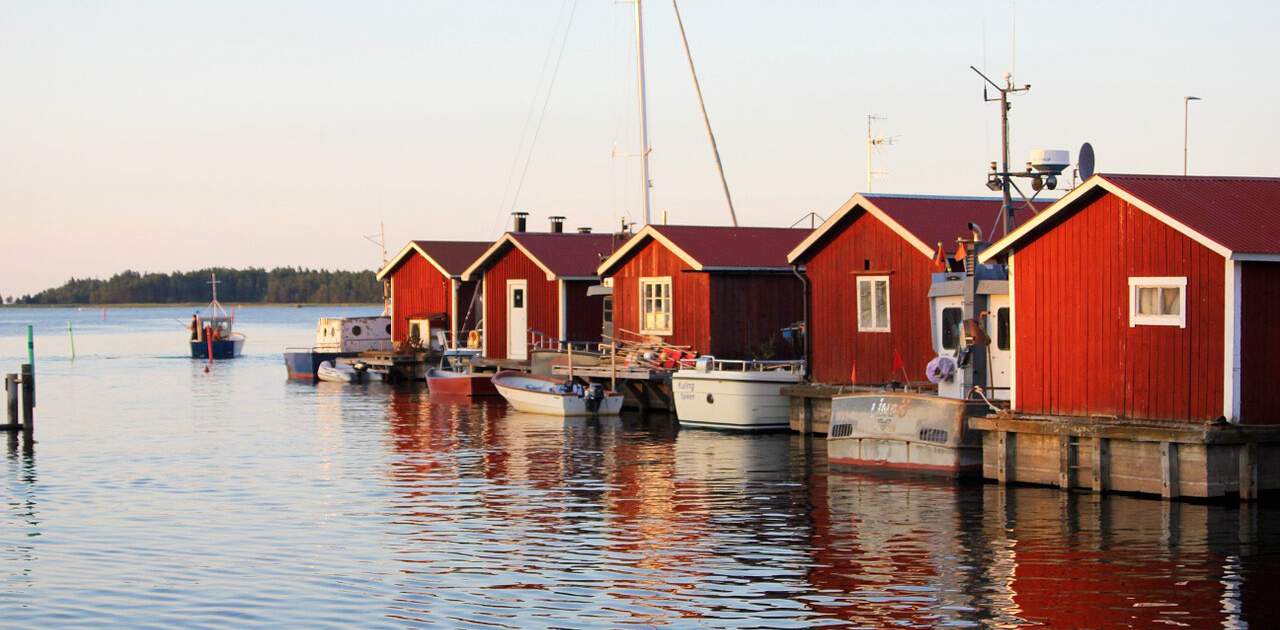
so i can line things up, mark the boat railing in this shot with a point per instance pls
(707, 363)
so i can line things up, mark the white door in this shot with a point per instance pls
(999, 326)
(517, 320)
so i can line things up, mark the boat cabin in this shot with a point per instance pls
(989, 347)
(1148, 297)
(723, 291)
(536, 290)
(429, 298)
(353, 334)
(870, 267)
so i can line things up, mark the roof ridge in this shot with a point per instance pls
(1202, 177)
(938, 197)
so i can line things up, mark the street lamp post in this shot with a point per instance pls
(1186, 106)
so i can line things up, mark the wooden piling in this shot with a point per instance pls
(11, 403)
(1101, 463)
(28, 402)
(1169, 470)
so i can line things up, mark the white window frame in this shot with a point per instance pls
(888, 301)
(659, 281)
(1158, 282)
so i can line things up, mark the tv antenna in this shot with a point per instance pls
(874, 142)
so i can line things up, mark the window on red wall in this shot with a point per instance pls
(873, 304)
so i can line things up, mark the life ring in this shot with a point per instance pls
(473, 339)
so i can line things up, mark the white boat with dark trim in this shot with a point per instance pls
(732, 394)
(925, 431)
(554, 397)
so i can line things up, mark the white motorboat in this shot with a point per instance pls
(738, 395)
(340, 373)
(549, 396)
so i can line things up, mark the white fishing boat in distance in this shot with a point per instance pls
(737, 395)
(553, 397)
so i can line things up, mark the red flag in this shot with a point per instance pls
(853, 373)
(899, 365)
(962, 255)
(940, 259)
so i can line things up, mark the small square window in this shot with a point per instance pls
(1158, 301)
(655, 306)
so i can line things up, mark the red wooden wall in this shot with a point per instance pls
(418, 290)
(1259, 342)
(833, 269)
(748, 312)
(585, 312)
(1077, 354)
(541, 302)
(690, 325)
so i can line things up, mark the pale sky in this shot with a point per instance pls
(169, 135)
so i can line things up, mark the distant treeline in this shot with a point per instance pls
(283, 284)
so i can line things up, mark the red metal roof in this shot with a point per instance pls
(454, 256)
(1241, 214)
(735, 247)
(569, 254)
(938, 219)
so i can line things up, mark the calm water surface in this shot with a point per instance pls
(162, 496)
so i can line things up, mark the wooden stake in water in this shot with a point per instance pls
(71, 335)
(31, 360)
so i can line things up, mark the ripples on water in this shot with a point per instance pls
(161, 496)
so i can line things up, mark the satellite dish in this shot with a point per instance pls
(1084, 163)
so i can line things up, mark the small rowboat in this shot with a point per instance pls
(549, 396)
(448, 383)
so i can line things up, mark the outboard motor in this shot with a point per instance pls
(593, 397)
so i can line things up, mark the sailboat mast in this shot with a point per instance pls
(644, 117)
(706, 120)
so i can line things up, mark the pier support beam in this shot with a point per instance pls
(1101, 463)
(1006, 447)
(1168, 470)
(11, 403)
(1248, 459)
(1066, 461)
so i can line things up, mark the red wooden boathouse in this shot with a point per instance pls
(535, 286)
(869, 267)
(1149, 297)
(426, 282)
(725, 291)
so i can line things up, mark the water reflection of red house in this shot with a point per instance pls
(1119, 562)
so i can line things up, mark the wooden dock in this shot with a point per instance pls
(1173, 460)
(645, 389)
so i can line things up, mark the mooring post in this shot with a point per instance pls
(11, 403)
(28, 402)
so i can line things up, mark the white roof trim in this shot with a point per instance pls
(493, 251)
(635, 241)
(1100, 181)
(858, 200)
(399, 257)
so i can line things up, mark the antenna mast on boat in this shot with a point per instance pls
(645, 184)
(706, 120)
(382, 244)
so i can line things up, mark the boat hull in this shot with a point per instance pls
(442, 383)
(921, 433)
(303, 365)
(528, 393)
(731, 400)
(222, 348)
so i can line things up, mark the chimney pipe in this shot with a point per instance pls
(584, 230)
(557, 225)
(518, 220)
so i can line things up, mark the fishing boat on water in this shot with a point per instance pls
(735, 395)
(926, 431)
(550, 396)
(213, 336)
(338, 338)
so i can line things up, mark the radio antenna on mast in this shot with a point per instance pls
(874, 142)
